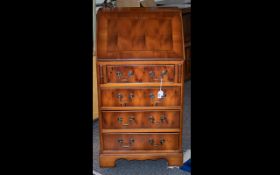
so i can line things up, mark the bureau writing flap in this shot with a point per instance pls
(139, 34)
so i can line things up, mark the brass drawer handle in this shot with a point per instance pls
(131, 119)
(151, 119)
(152, 75)
(125, 146)
(130, 96)
(162, 119)
(119, 96)
(164, 72)
(130, 73)
(161, 142)
(120, 75)
(131, 141)
(152, 95)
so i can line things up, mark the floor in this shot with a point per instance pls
(146, 167)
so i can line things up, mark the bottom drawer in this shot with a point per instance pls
(141, 141)
(140, 119)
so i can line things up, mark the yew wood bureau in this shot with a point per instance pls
(140, 76)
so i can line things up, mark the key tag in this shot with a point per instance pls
(160, 92)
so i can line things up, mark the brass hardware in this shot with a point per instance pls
(152, 74)
(130, 73)
(119, 74)
(120, 119)
(119, 96)
(151, 142)
(152, 119)
(162, 118)
(164, 72)
(162, 141)
(131, 140)
(131, 118)
(131, 95)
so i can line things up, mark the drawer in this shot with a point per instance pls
(136, 97)
(139, 119)
(139, 73)
(158, 141)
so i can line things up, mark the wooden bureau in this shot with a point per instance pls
(139, 49)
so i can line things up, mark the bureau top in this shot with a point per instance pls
(139, 34)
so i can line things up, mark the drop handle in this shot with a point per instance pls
(152, 74)
(130, 73)
(121, 77)
(118, 74)
(131, 95)
(119, 96)
(131, 118)
(130, 142)
(151, 95)
(162, 119)
(164, 72)
(152, 120)
(120, 119)
(152, 142)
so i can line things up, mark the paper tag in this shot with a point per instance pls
(160, 94)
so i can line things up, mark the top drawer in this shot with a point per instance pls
(139, 34)
(138, 73)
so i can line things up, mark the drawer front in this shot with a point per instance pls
(139, 73)
(147, 119)
(158, 141)
(135, 97)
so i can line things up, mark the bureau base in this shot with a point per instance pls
(109, 160)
